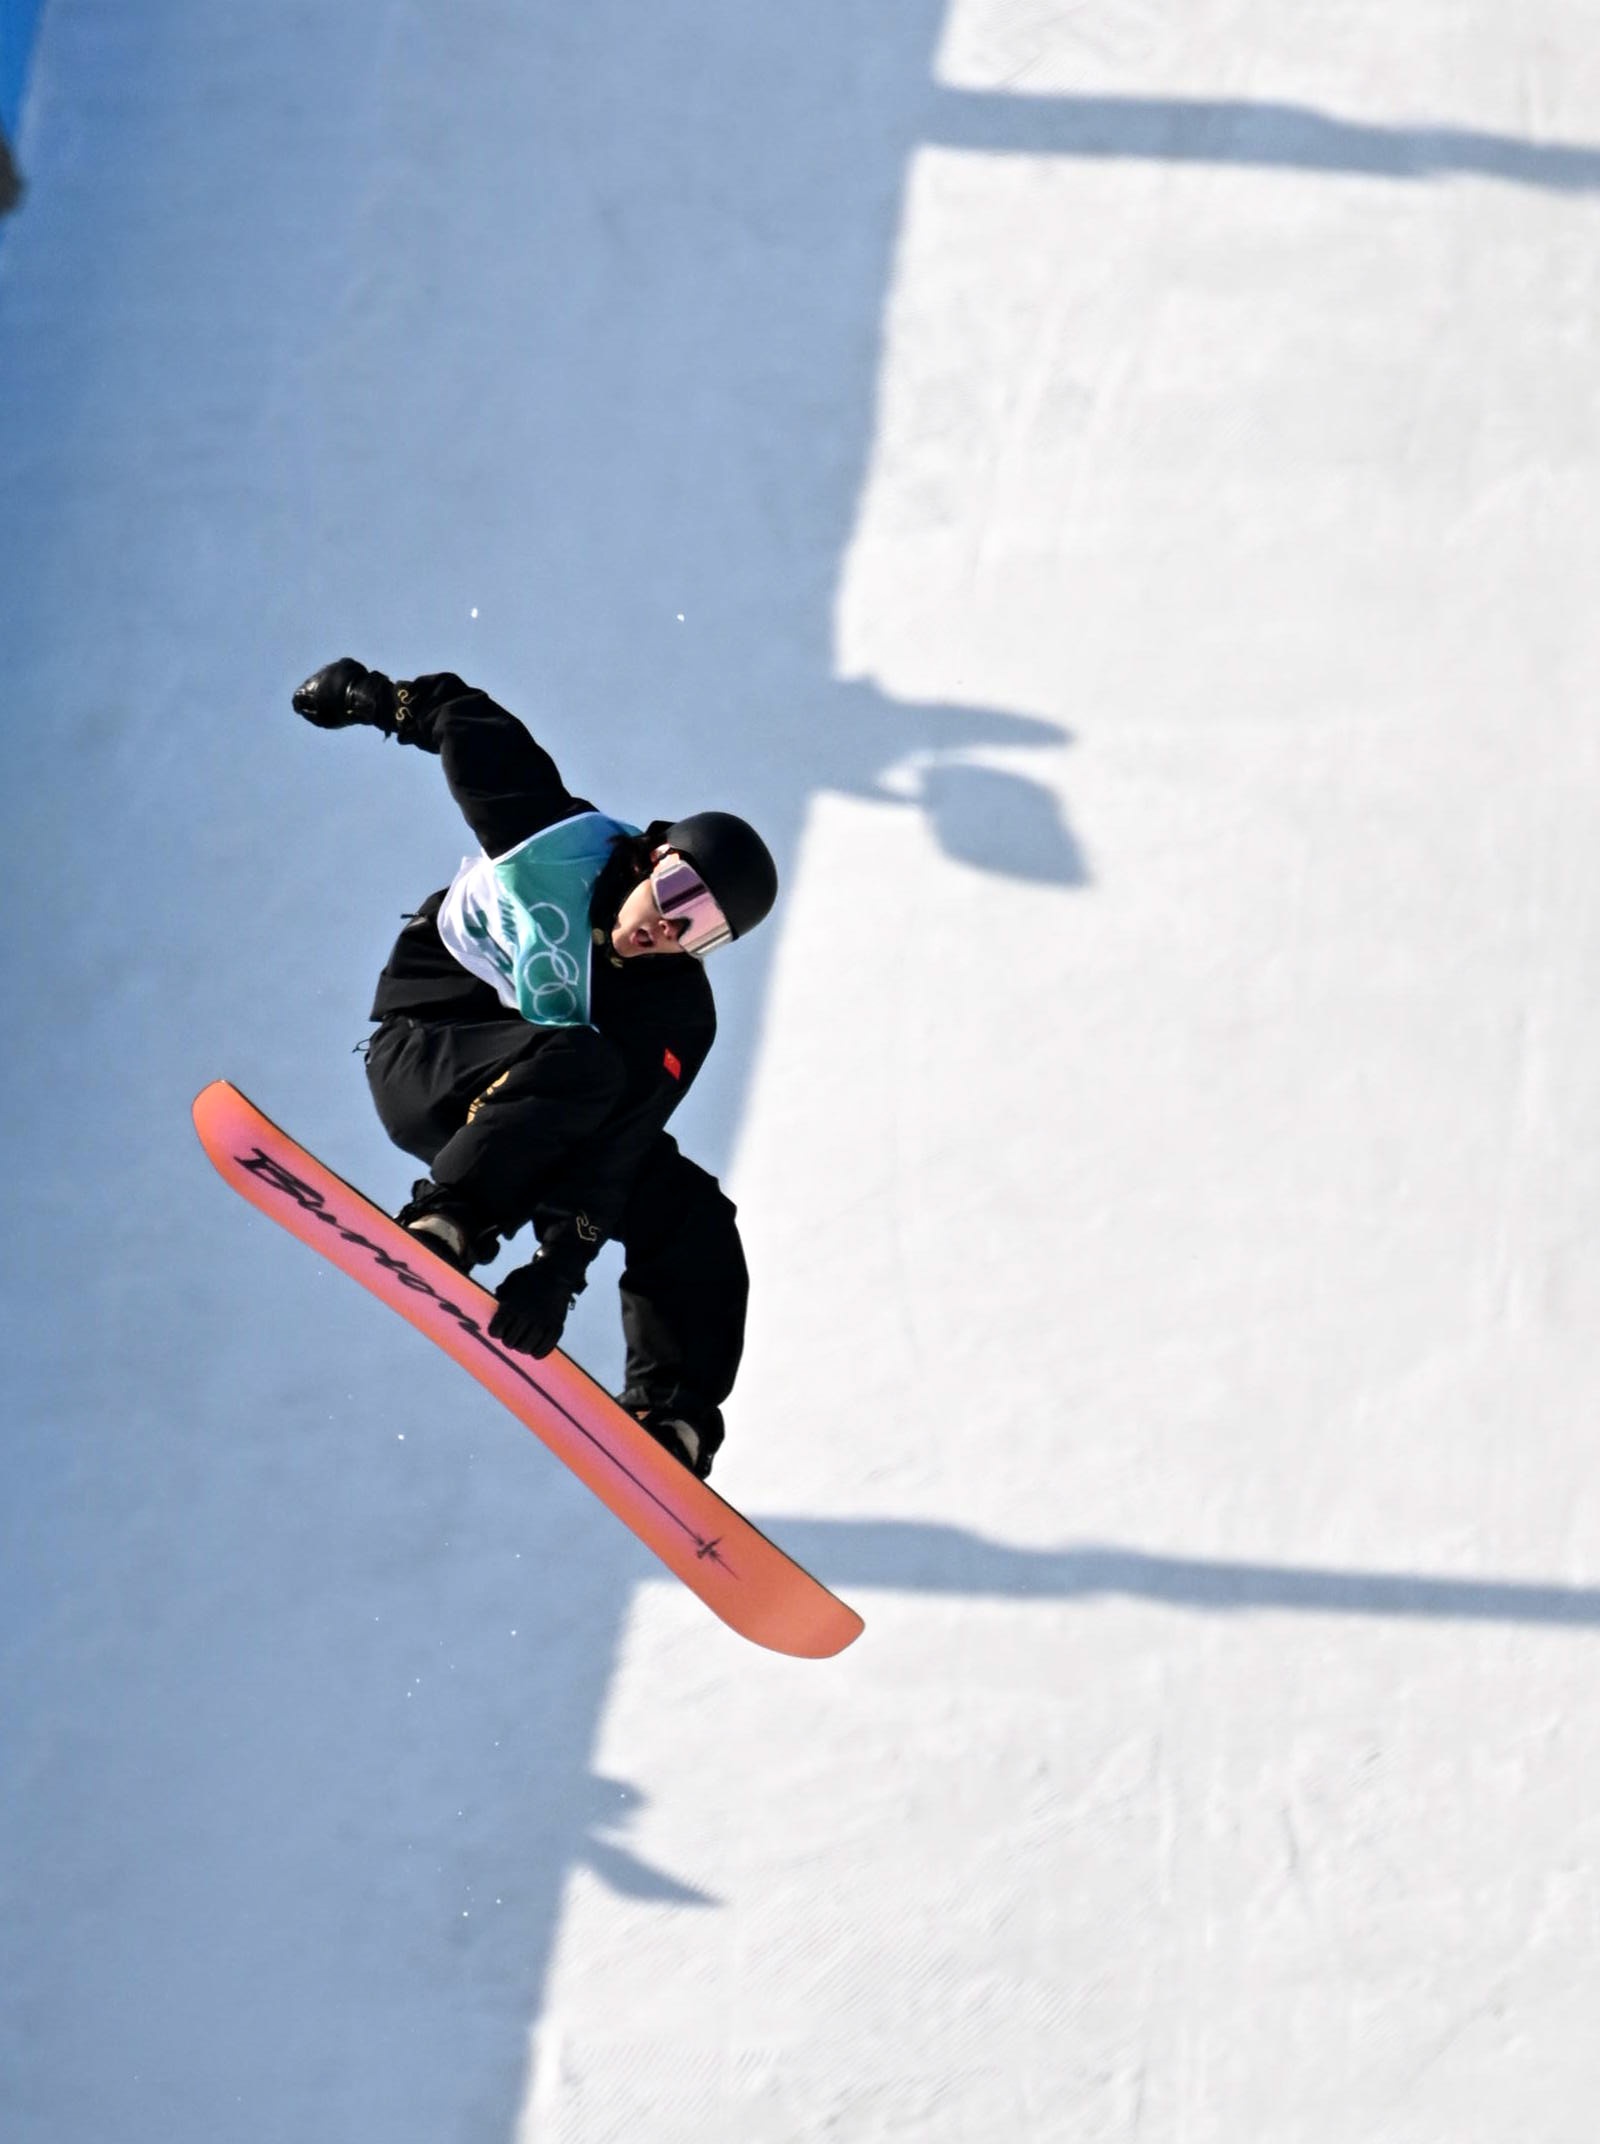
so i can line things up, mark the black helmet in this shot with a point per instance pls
(734, 861)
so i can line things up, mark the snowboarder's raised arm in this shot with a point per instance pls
(507, 786)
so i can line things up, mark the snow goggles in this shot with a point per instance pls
(683, 896)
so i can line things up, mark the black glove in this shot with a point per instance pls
(344, 693)
(534, 1301)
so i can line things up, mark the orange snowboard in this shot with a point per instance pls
(739, 1574)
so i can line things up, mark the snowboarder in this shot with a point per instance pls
(539, 1020)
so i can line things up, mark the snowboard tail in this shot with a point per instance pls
(741, 1576)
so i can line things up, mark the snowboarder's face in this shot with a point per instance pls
(641, 929)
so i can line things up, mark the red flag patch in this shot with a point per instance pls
(672, 1065)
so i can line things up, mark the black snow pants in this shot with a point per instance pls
(497, 1109)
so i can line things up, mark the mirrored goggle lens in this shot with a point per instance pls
(683, 896)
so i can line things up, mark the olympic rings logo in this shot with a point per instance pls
(548, 977)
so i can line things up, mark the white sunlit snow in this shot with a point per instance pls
(1111, 490)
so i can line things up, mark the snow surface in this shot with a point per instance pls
(1111, 488)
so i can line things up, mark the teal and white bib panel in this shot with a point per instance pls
(521, 921)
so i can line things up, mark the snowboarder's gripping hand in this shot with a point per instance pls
(535, 1299)
(345, 693)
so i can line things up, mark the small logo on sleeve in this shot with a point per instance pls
(674, 1068)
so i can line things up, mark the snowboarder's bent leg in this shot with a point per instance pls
(524, 1121)
(493, 1106)
(424, 1074)
(685, 1290)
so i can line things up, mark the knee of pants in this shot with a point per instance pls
(575, 1066)
(674, 1199)
(408, 1109)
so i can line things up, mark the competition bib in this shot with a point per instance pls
(521, 921)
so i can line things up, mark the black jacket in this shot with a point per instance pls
(657, 1011)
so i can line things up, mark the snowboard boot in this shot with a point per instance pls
(681, 1424)
(442, 1220)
